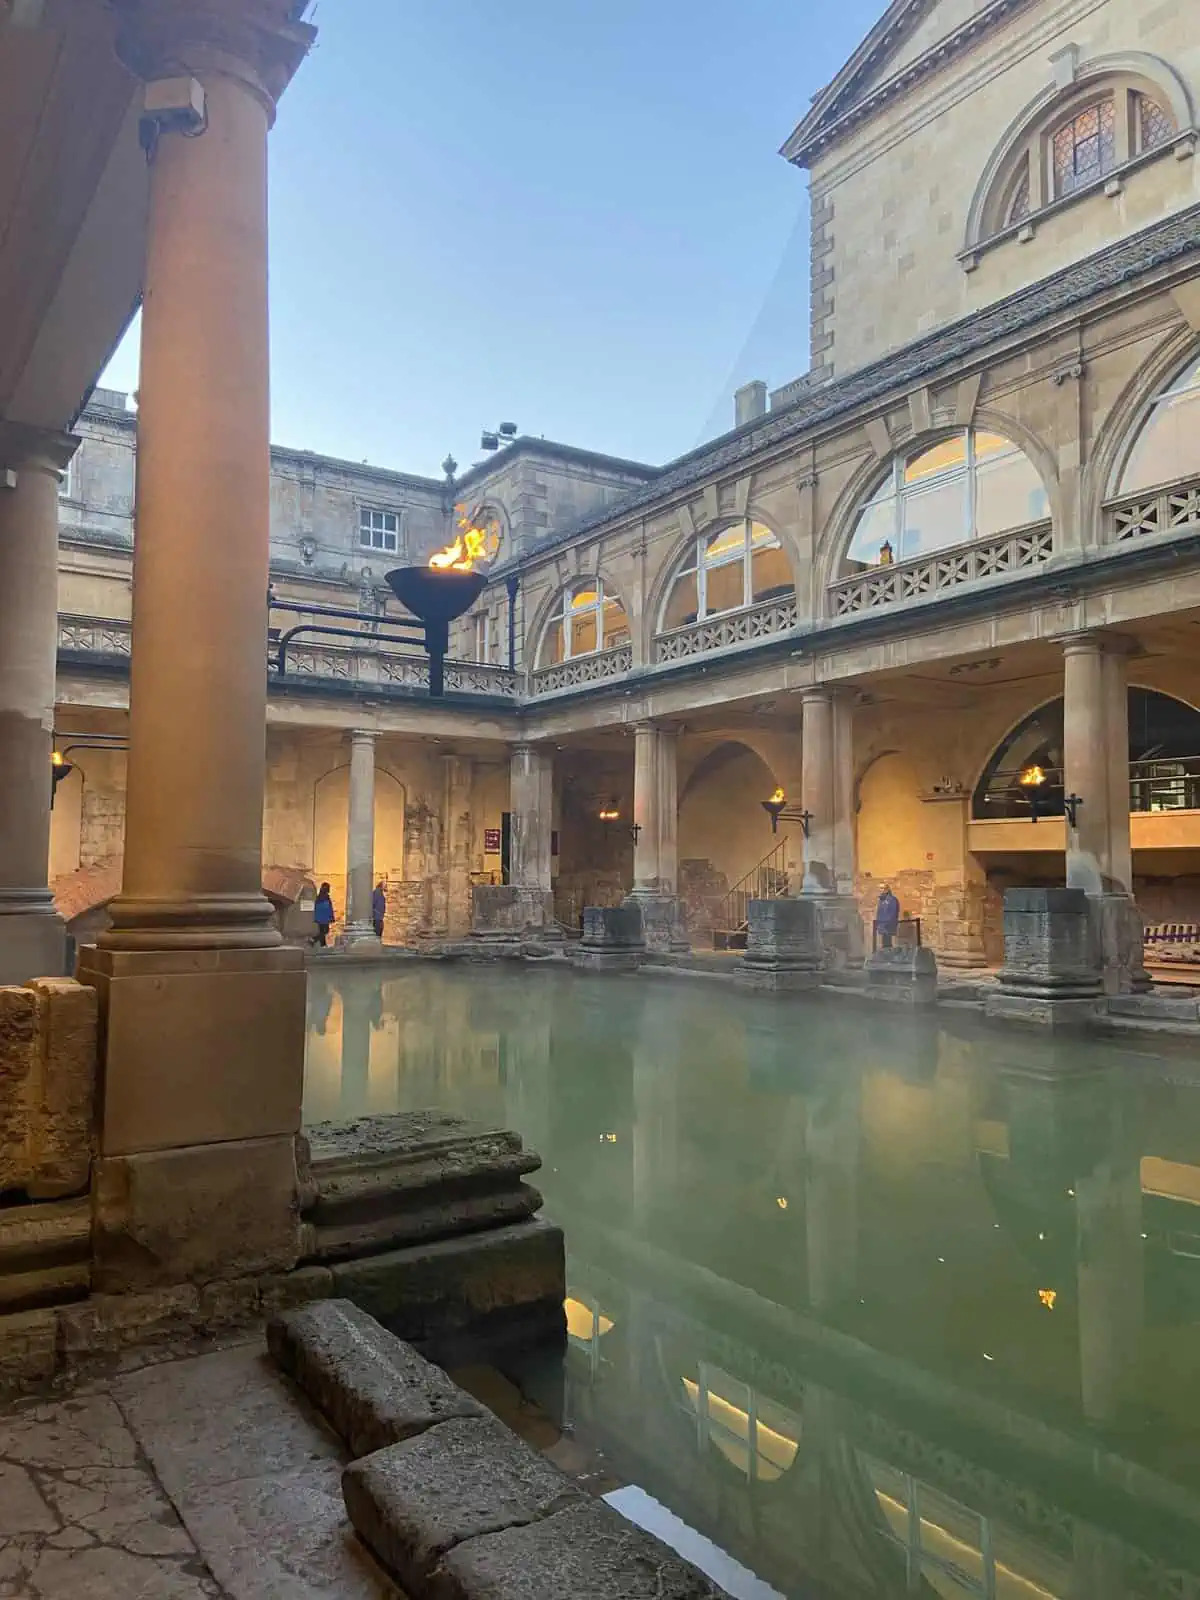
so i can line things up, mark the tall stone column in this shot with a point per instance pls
(827, 794)
(656, 846)
(1099, 858)
(360, 841)
(204, 1011)
(457, 839)
(32, 934)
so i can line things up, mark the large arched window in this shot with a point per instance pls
(972, 485)
(738, 566)
(584, 620)
(1164, 761)
(1168, 446)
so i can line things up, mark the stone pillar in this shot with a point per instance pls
(1050, 973)
(457, 842)
(32, 934)
(827, 794)
(656, 850)
(525, 905)
(203, 1008)
(360, 842)
(1099, 859)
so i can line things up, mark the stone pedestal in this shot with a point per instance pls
(664, 922)
(842, 940)
(905, 976)
(1119, 937)
(509, 913)
(783, 946)
(360, 844)
(1051, 974)
(612, 939)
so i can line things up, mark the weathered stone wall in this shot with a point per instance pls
(47, 1088)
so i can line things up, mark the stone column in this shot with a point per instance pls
(656, 849)
(457, 841)
(827, 794)
(525, 905)
(360, 842)
(32, 934)
(204, 1011)
(1099, 859)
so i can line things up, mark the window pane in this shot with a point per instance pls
(759, 536)
(991, 444)
(1008, 494)
(616, 624)
(876, 526)
(950, 453)
(1155, 127)
(1019, 203)
(682, 606)
(770, 574)
(726, 589)
(1169, 447)
(584, 631)
(934, 518)
(584, 597)
(725, 546)
(552, 649)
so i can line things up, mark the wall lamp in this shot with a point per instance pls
(610, 814)
(778, 809)
(1031, 780)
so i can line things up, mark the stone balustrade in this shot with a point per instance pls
(930, 575)
(579, 671)
(763, 621)
(1169, 511)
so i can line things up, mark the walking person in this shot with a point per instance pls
(323, 914)
(887, 917)
(378, 908)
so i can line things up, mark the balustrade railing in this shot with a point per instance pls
(1173, 510)
(1017, 551)
(596, 667)
(732, 628)
(1159, 784)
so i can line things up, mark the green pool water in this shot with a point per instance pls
(875, 1306)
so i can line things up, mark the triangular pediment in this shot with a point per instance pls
(912, 38)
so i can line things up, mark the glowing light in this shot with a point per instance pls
(777, 798)
(781, 1201)
(1032, 777)
(609, 814)
(583, 1323)
(608, 1138)
(57, 759)
(987, 1357)
(474, 542)
(1048, 1297)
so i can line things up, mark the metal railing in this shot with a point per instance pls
(1157, 783)
(766, 880)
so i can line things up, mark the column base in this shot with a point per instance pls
(1119, 936)
(664, 921)
(842, 939)
(511, 912)
(195, 922)
(195, 1215)
(33, 941)
(200, 1046)
(357, 934)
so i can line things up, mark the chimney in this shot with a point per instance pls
(749, 402)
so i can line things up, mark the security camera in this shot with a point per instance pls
(171, 105)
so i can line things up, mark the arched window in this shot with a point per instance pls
(972, 485)
(738, 566)
(1168, 446)
(584, 620)
(1084, 147)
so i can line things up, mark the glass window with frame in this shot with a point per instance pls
(585, 620)
(67, 479)
(972, 485)
(1154, 127)
(1168, 445)
(482, 644)
(378, 530)
(1085, 147)
(741, 565)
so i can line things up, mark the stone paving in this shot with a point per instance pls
(189, 1478)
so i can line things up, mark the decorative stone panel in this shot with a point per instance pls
(721, 633)
(1175, 510)
(597, 667)
(930, 575)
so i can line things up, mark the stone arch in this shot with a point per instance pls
(1124, 424)
(1134, 70)
(723, 830)
(552, 605)
(664, 579)
(331, 799)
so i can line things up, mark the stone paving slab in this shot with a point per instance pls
(373, 1389)
(413, 1502)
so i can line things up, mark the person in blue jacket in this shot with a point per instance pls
(378, 908)
(887, 917)
(323, 914)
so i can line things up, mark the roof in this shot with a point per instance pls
(863, 85)
(1161, 245)
(530, 444)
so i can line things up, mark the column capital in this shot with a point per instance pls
(254, 41)
(1096, 641)
(362, 735)
(28, 449)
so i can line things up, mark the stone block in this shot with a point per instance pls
(905, 976)
(28, 1347)
(201, 1046)
(18, 1059)
(107, 1323)
(664, 922)
(1045, 1011)
(507, 1282)
(283, 1291)
(612, 939)
(510, 912)
(461, 1481)
(64, 1090)
(374, 1390)
(783, 945)
(32, 945)
(214, 1211)
(1049, 945)
(586, 1549)
(45, 1252)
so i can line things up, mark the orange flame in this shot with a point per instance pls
(473, 543)
(1032, 777)
(777, 798)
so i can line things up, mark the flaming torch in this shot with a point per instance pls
(438, 593)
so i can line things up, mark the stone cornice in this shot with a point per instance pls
(836, 112)
(258, 38)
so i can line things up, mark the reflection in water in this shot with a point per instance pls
(880, 1309)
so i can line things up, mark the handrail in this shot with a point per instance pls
(766, 880)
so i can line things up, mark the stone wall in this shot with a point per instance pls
(47, 1089)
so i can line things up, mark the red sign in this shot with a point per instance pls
(491, 841)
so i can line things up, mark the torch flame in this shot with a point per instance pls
(1032, 777)
(777, 798)
(473, 543)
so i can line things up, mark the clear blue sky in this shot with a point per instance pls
(567, 213)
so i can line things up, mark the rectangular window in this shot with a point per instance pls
(483, 637)
(67, 482)
(378, 530)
